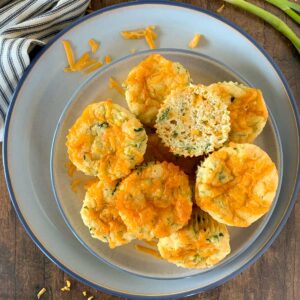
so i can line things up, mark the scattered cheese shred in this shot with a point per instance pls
(147, 33)
(41, 293)
(65, 289)
(94, 67)
(150, 37)
(69, 53)
(220, 9)
(85, 57)
(151, 243)
(89, 183)
(94, 45)
(147, 250)
(107, 59)
(68, 283)
(74, 185)
(84, 293)
(90, 298)
(113, 84)
(195, 41)
(70, 168)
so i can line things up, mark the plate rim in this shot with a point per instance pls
(18, 89)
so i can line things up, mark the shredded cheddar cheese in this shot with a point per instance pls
(84, 293)
(74, 185)
(41, 293)
(220, 9)
(90, 298)
(107, 59)
(147, 33)
(93, 67)
(150, 37)
(69, 53)
(195, 41)
(94, 45)
(65, 289)
(70, 168)
(113, 84)
(68, 283)
(147, 250)
(151, 243)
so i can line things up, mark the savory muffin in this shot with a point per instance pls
(236, 185)
(106, 141)
(149, 83)
(157, 151)
(248, 111)
(100, 215)
(155, 200)
(193, 122)
(201, 244)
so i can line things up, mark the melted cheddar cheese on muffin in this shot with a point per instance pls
(193, 122)
(106, 141)
(248, 111)
(150, 82)
(201, 244)
(236, 185)
(100, 215)
(155, 200)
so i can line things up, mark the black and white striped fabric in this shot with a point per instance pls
(23, 25)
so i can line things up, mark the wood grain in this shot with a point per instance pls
(275, 276)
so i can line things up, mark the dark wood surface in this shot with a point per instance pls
(24, 270)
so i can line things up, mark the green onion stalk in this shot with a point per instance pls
(287, 8)
(269, 18)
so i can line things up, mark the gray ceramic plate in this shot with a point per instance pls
(203, 70)
(44, 92)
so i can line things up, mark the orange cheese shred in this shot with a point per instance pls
(94, 45)
(113, 84)
(195, 41)
(147, 33)
(74, 185)
(93, 67)
(69, 53)
(220, 9)
(70, 168)
(148, 251)
(107, 59)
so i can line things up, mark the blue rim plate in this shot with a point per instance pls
(8, 151)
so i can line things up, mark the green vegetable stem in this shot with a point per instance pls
(270, 18)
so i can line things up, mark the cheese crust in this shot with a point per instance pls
(236, 185)
(155, 200)
(150, 82)
(248, 111)
(106, 141)
(100, 215)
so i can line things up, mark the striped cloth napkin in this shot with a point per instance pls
(23, 25)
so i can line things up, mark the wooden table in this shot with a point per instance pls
(24, 270)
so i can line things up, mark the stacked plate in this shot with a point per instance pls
(36, 176)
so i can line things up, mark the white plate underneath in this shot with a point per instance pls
(203, 70)
(45, 90)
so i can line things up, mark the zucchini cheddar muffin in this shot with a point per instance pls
(150, 82)
(201, 244)
(248, 111)
(155, 200)
(106, 141)
(100, 215)
(193, 122)
(236, 185)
